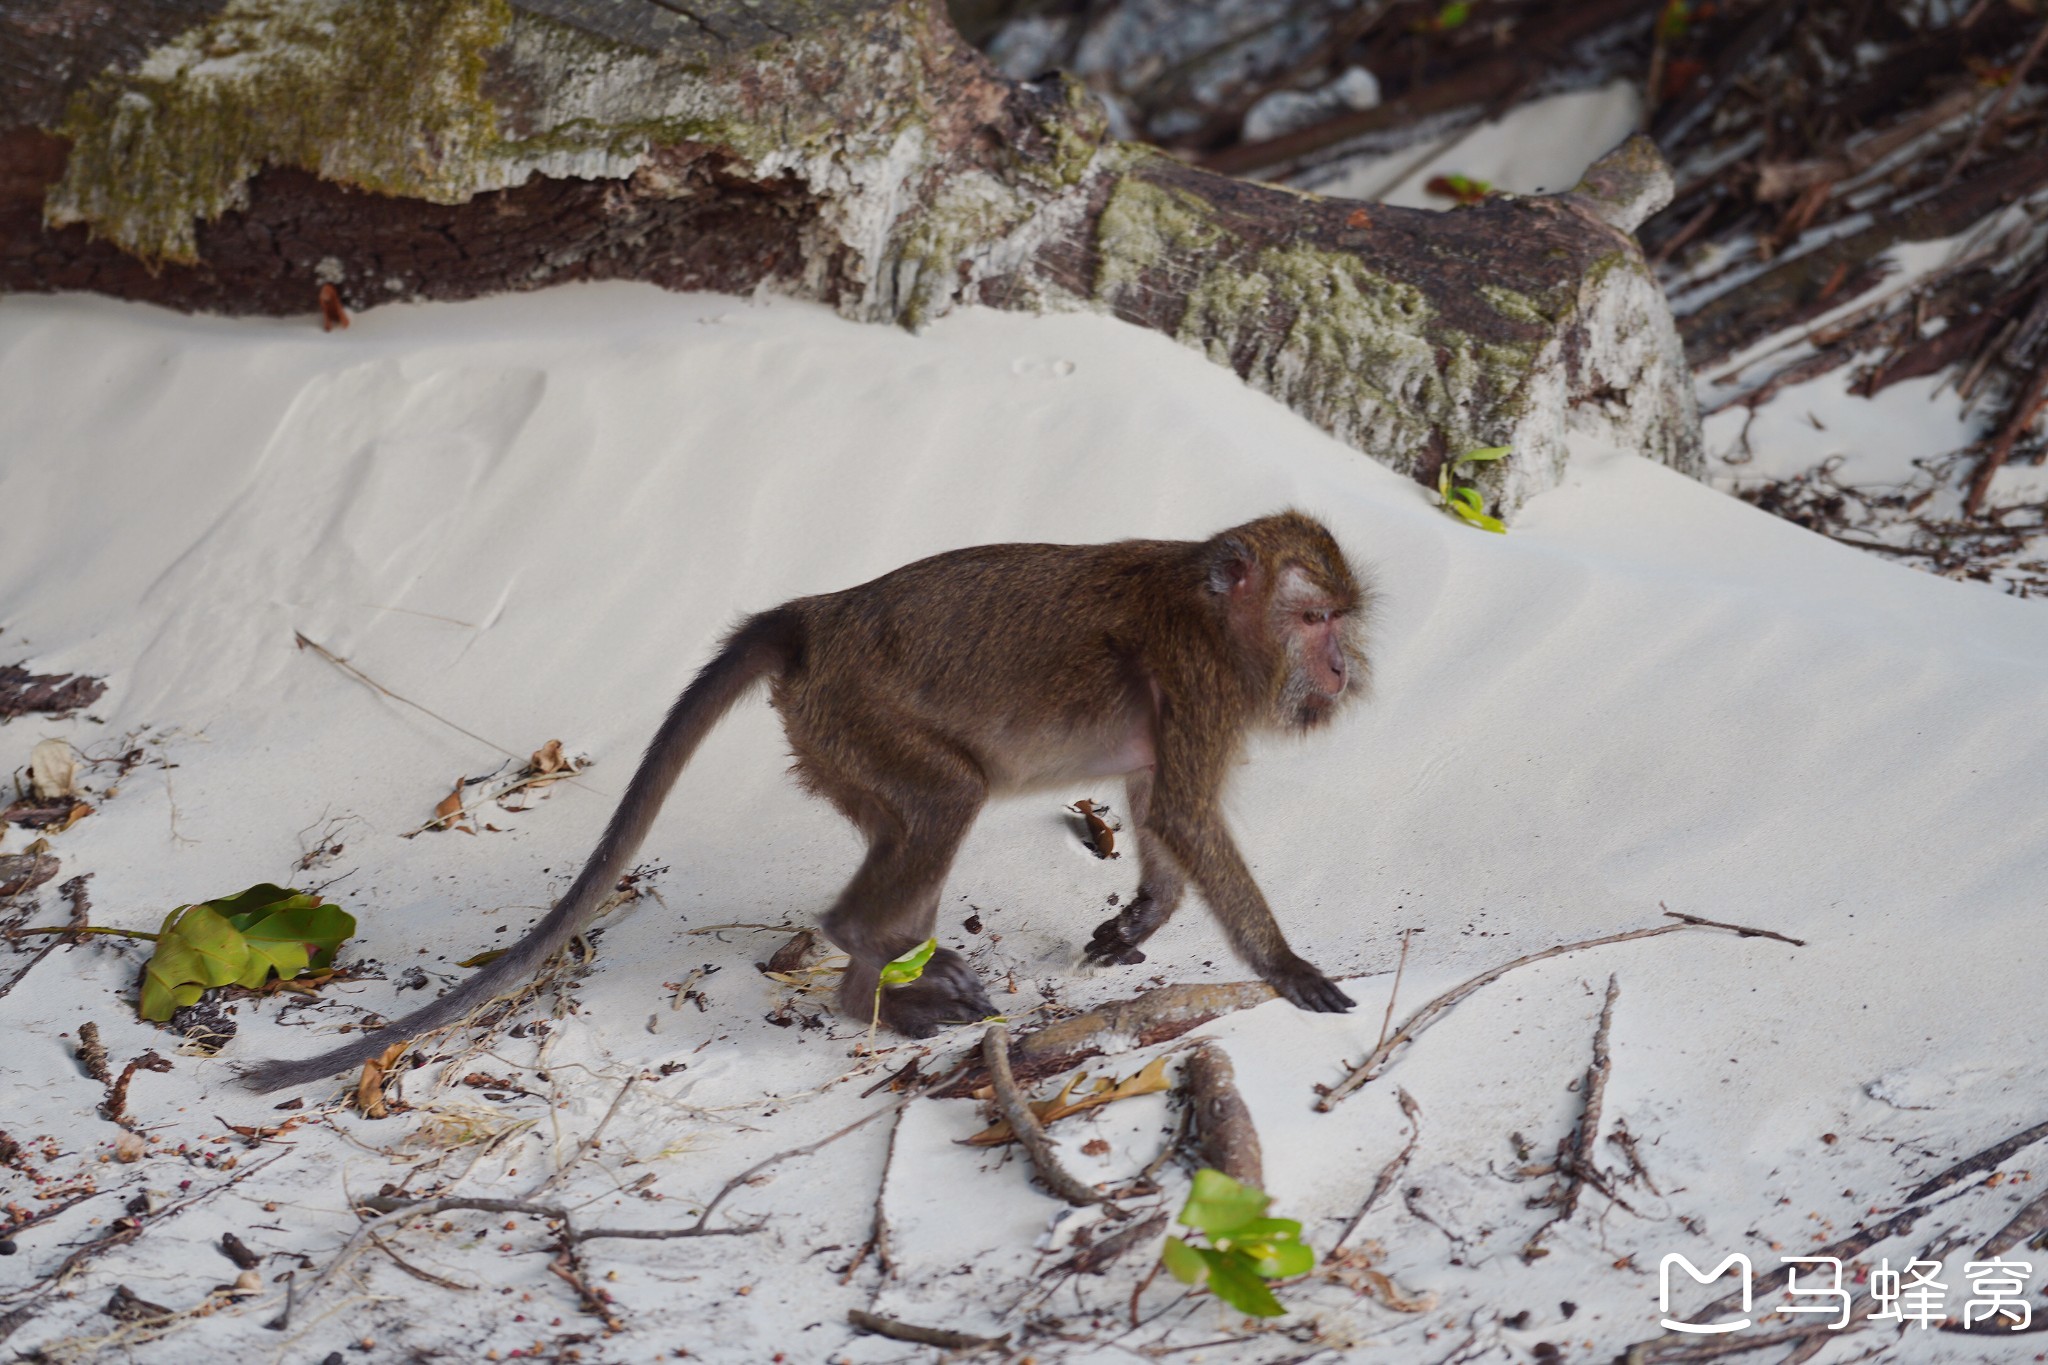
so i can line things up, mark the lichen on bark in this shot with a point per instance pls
(381, 94)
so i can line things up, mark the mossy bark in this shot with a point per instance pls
(238, 155)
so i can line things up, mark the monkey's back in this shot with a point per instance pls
(994, 644)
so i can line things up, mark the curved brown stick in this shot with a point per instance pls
(995, 1054)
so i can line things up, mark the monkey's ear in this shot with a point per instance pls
(1227, 564)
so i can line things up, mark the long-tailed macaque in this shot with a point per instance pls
(910, 700)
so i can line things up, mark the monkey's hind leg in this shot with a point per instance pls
(892, 905)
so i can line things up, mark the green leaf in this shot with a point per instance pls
(1232, 1279)
(1469, 497)
(1484, 454)
(1183, 1262)
(1266, 1230)
(1219, 1205)
(1477, 518)
(195, 949)
(239, 940)
(1453, 15)
(246, 907)
(1279, 1260)
(301, 934)
(909, 967)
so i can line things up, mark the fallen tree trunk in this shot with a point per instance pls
(235, 158)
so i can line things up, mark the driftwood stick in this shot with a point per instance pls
(1225, 1138)
(1155, 1017)
(1010, 1101)
(1389, 1173)
(2032, 1218)
(1575, 1153)
(1372, 1066)
(923, 1336)
(1988, 1159)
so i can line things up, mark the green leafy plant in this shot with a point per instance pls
(1462, 500)
(239, 941)
(1245, 1248)
(899, 971)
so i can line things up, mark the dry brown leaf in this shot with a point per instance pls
(1149, 1081)
(79, 810)
(445, 814)
(549, 764)
(370, 1086)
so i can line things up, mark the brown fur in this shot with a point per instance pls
(910, 700)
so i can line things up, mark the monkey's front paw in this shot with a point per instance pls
(948, 992)
(1306, 988)
(1110, 944)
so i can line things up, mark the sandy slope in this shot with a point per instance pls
(533, 516)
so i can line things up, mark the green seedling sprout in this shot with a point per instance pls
(899, 971)
(1245, 1248)
(1463, 500)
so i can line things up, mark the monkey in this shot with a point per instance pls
(909, 700)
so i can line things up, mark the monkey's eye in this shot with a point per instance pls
(1314, 618)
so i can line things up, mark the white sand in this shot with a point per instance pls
(534, 515)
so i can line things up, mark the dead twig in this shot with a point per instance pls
(1389, 1173)
(381, 690)
(1575, 1152)
(589, 1144)
(397, 1209)
(123, 1231)
(1997, 109)
(409, 1268)
(1030, 1134)
(2016, 423)
(923, 1336)
(81, 906)
(883, 1257)
(1394, 991)
(1988, 1159)
(746, 1177)
(2032, 1218)
(115, 1109)
(1415, 1023)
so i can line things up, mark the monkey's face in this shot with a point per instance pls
(1316, 624)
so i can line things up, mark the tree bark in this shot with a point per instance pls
(233, 158)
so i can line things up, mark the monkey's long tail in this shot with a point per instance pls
(763, 646)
